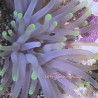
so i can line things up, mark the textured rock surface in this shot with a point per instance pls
(93, 33)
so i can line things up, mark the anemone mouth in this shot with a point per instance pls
(42, 30)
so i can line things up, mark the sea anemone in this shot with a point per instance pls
(42, 30)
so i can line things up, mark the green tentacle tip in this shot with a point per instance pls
(81, 85)
(4, 33)
(30, 92)
(55, 23)
(1, 73)
(10, 31)
(95, 57)
(70, 14)
(15, 13)
(20, 15)
(85, 23)
(88, 10)
(48, 17)
(31, 27)
(34, 75)
(76, 33)
(87, 83)
(14, 77)
(13, 23)
(1, 87)
(85, 2)
(63, 39)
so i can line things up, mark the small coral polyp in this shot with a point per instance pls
(38, 48)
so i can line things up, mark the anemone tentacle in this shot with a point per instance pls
(41, 32)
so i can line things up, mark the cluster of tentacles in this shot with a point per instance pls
(41, 32)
